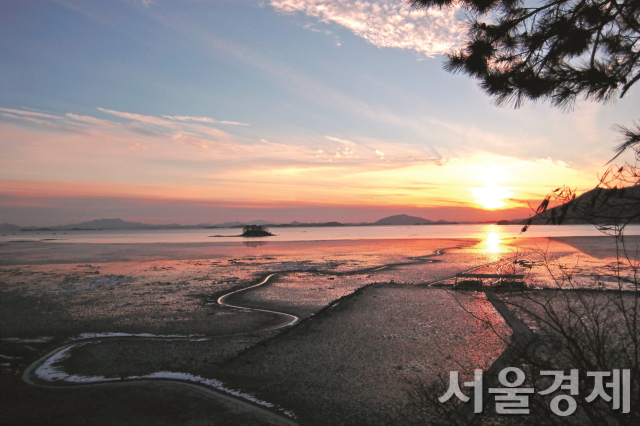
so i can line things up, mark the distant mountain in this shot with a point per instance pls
(403, 219)
(600, 205)
(9, 227)
(98, 224)
(112, 224)
(116, 224)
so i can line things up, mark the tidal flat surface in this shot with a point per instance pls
(130, 324)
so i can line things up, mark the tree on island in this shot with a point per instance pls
(255, 231)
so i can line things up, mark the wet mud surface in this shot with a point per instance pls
(370, 323)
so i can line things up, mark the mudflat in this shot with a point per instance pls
(136, 333)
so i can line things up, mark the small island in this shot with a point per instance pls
(255, 231)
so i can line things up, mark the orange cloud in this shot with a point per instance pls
(142, 158)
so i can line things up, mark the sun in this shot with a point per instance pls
(490, 197)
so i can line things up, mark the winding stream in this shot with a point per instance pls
(293, 319)
(44, 370)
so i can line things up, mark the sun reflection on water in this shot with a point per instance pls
(492, 241)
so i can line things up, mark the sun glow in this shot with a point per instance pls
(492, 241)
(491, 196)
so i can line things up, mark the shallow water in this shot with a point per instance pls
(308, 234)
(149, 311)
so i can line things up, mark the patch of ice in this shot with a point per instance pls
(9, 357)
(51, 373)
(289, 414)
(48, 371)
(41, 339)
(85, 336)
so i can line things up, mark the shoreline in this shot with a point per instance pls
(357, 301)
(55, 252)
(300, 235)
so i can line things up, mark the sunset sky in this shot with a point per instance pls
(310, 110)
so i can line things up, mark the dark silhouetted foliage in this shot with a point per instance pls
(551, 49)
(255, 231)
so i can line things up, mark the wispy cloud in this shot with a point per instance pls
(386, 23)
(50, 122)
(342, 141)
(286, 76)
(203, 120)
(28, 113)
(137, 117)
(153, 129)
(89, 120)
(316, 30)
(191, 140)
(203, 143)
(137, 145)
(281, 147)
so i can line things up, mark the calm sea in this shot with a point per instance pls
(308, 234)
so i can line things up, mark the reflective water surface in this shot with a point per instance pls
(308, 234)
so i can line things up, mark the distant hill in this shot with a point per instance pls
(9, 227)
(113, 224)
(605, 206)
(93, 225)
(101, 224)
(403, 219)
